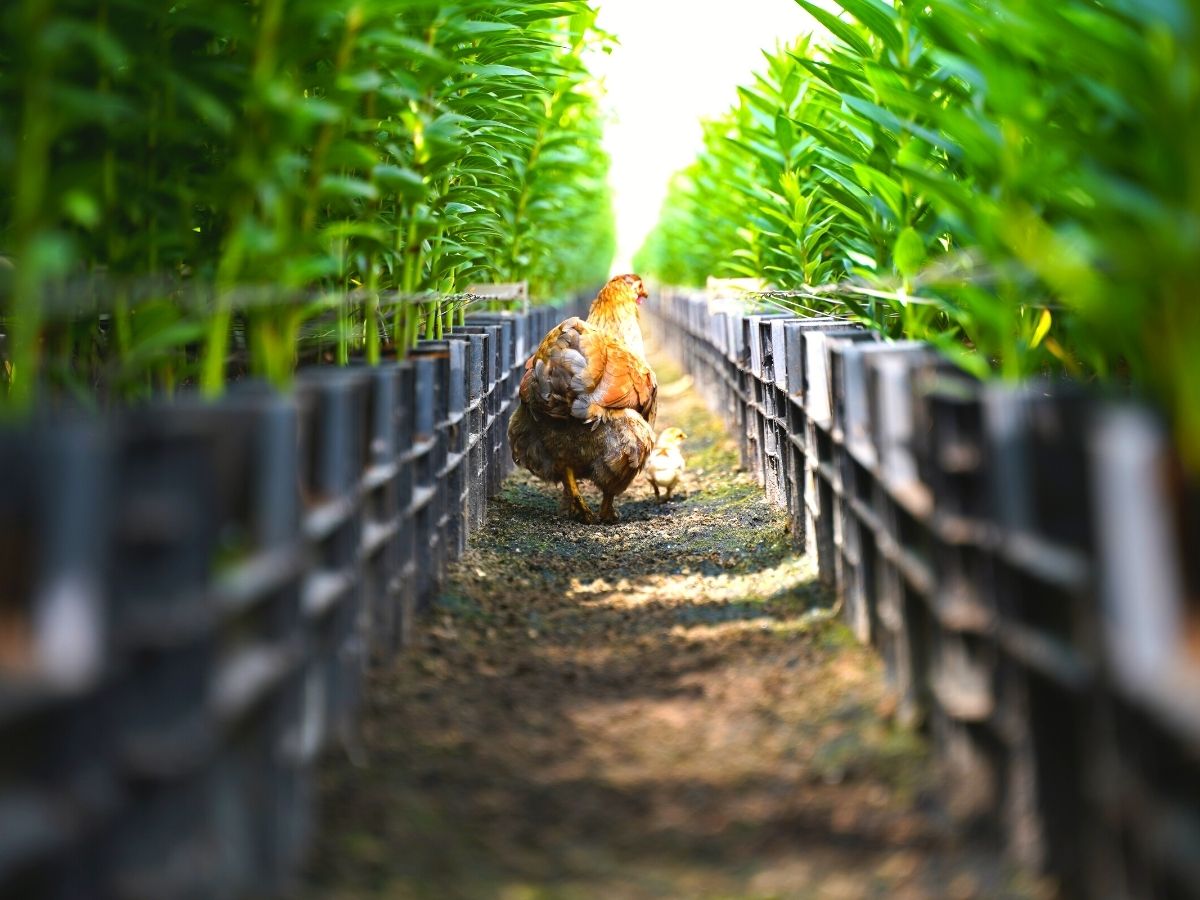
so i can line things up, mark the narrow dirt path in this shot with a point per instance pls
(653, 709)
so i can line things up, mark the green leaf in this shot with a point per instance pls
(845, 31)
(880, 18)
(400, 180)
(347, 187)
(81, 208)
(1043, 328)
(908, 253)
(496, 70)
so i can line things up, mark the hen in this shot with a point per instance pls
(588, 400)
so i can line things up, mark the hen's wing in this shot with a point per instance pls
(579, 372)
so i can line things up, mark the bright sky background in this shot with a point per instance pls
(678, 61)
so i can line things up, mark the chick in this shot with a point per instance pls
(666, 463)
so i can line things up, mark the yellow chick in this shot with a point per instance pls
(666, 463)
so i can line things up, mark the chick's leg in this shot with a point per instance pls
(579, 506)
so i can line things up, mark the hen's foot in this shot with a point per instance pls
(576, 506)
(583, 513)
(576, 509)
(607, 512)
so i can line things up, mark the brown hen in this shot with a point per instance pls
(588, 400)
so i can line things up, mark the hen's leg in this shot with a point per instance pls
(607, 513)
(579, 506)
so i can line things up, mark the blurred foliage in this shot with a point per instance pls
(1017, 182)
(329, 159)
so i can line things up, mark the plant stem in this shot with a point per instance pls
(28, 223)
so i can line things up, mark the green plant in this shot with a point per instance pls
(196, 188)
(1017, 182)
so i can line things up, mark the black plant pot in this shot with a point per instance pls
(477, 361)
(207, 564)
(334, 442)
(494, 410)
(60, 785)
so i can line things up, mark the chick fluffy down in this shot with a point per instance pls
(664, 467)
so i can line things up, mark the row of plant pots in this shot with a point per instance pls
(192, 593)
(1023, 557)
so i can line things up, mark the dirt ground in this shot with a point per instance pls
(655, 709)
